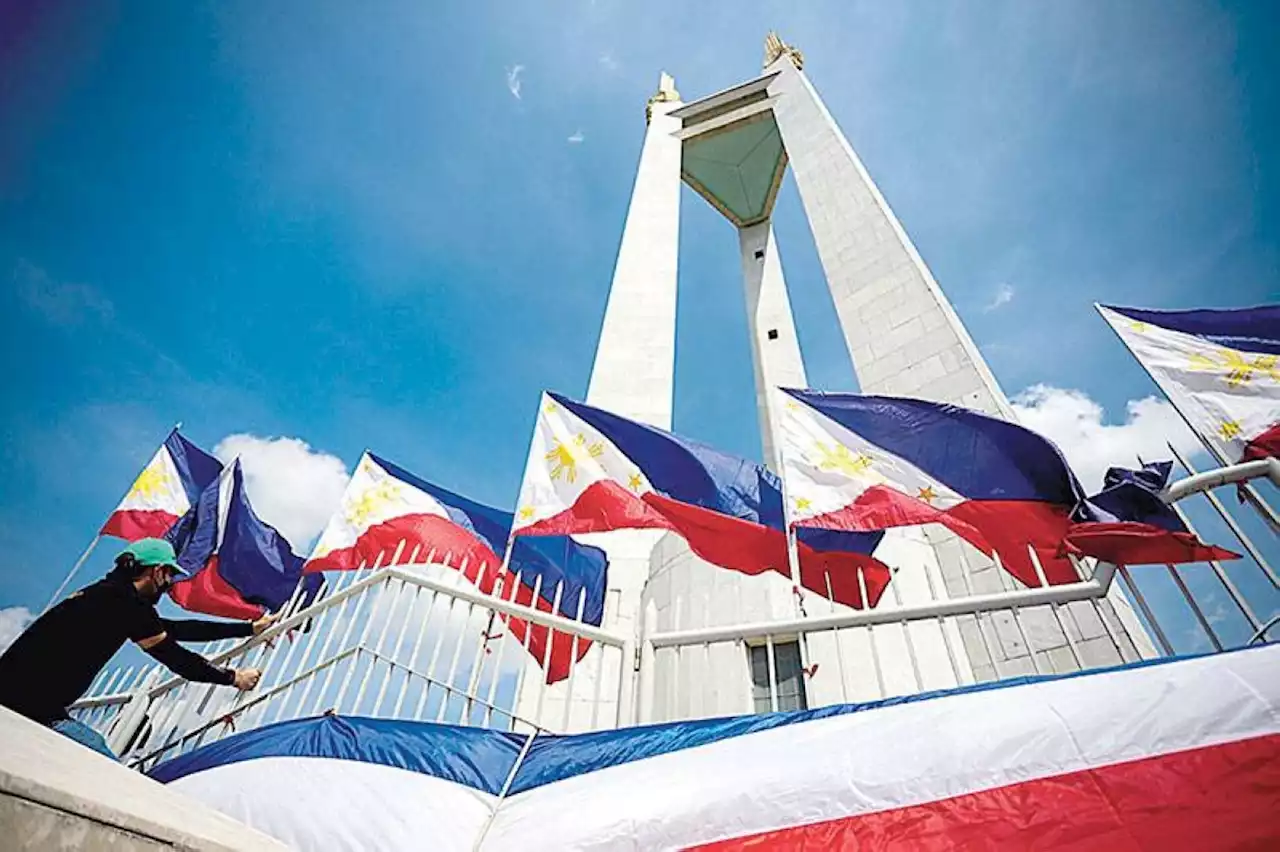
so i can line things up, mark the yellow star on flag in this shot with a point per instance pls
(550, 407)
(636, 482)
(1138, 326)
(1229, 429)
(928, 495)
(526, 513)
(803, 503)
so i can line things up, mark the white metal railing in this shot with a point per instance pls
(410, 640)
(894, 649)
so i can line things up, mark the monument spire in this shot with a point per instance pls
(666, 93)
(775, 47)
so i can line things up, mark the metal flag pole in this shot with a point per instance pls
(793, 555)
(84, 557)
(500, 578)
(1240, 534)
(74, 570)
(1250, 493)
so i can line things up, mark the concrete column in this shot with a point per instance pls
(903, 335)
(633, 376)
(634, 370)
(775, 348)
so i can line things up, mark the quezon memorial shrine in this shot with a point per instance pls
(910, 627)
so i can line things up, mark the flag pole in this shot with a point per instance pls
(84, 557)
(793, 551)
(793, 561)
(74, 570)
(1250, 493)
(473, 685)
(1240, 534)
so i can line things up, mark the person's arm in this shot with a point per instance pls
(196, 630)
(185, 664)
(146, 628)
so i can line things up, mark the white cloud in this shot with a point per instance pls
(13, 620)
(1004, 295)
(1076, 424)
(607, 62)
(513, 80)
(292, 487)
(576, 139)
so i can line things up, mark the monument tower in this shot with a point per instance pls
(903, 336)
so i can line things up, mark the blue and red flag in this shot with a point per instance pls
(167, 488)
(388, 514)
(862, 463)
(592, 471)
(241, 566)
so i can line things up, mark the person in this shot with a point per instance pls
(57, 657)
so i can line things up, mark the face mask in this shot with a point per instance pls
(162, 585)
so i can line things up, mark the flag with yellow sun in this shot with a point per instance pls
(168, 486)
(1219, 368)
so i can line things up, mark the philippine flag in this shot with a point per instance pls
(168, 486)
(385, 505)
(593, 471)
(855, 462)
(241, 566)
(1219, 368)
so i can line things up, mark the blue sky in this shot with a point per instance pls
(392, 227)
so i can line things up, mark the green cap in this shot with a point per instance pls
(155, 551)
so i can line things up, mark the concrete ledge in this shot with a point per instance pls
(56, 794)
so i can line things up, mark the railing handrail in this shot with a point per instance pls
(312, 671)
(403, 573)
(1091, 589)
(1209, 479)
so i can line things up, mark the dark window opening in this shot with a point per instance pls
(788, 679)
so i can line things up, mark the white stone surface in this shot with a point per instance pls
(777, 361)
(902, 334)
(634, 370)
(57, 794)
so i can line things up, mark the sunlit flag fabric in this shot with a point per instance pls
(241, 566)
(1219, 368)
(168, 486)
(593, 471)
(858, 462)
(1077, 761)
(386, 510)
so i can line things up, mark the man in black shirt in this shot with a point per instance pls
(57, 657)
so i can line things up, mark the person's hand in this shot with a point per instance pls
(266, 621)
(247, 679)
